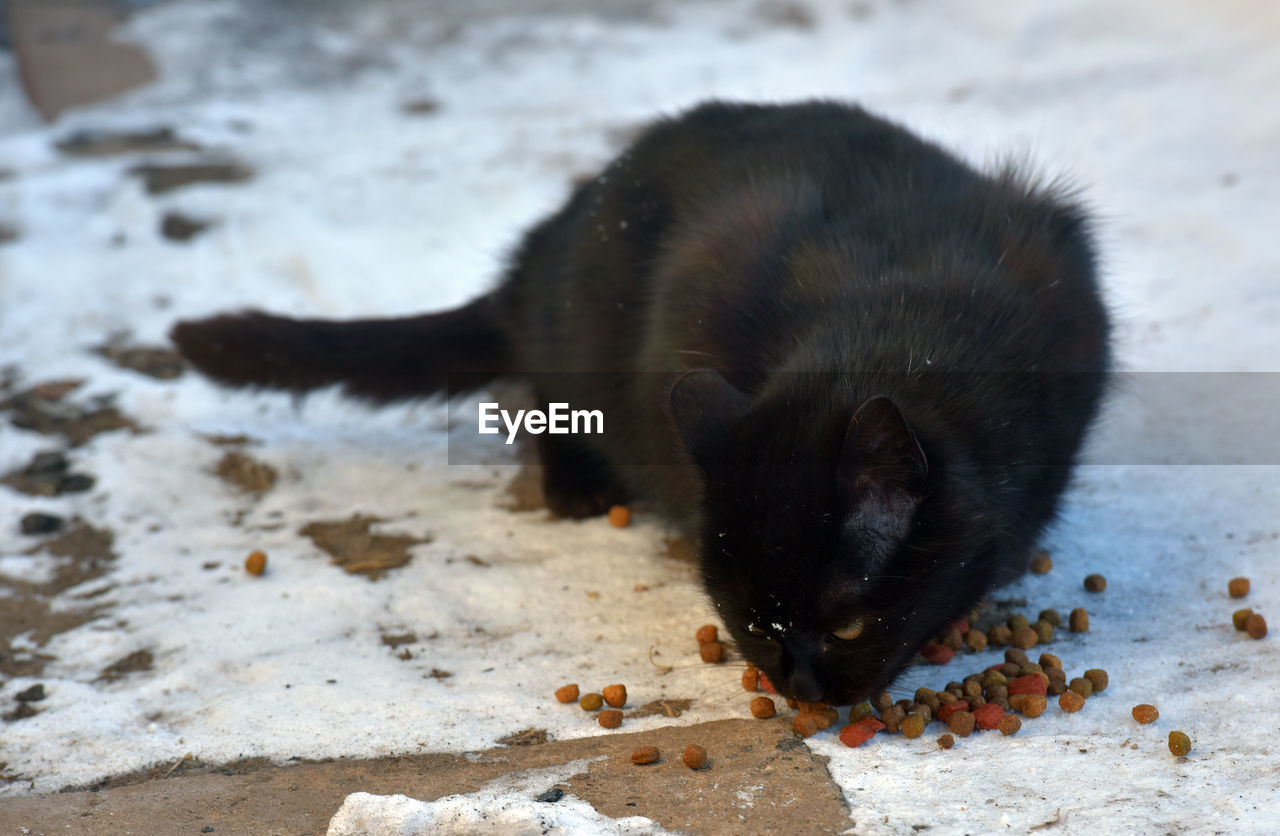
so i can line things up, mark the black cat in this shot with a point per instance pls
(853, 369)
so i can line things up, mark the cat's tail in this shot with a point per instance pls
(379, 360)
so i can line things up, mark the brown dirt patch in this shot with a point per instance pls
(153, 361)
(91, 143)
(135, 662)
(45, 409)
(246, 473)
(760, 779)
(359, 552)
(28, 607)
(158, 179)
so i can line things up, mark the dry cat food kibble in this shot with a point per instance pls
(961, 723)
(946, 741)
(256, 563)
(619, 516)
(591, 702)
(615, 695)
(568, 693)
(1010, 724)
(694, 757)
(645, 754)
(711, 651)
(1078, 621)
(1179, 743)
(707, 633)
(750, 679)
(1240, 617)
(1146, 713)
(1238, 587)
(1099, 679)
(856, 734)
(1041, 562)
(610, 718)
(1256, 626)
(805, 724)
(1070, 701)
(763, 708)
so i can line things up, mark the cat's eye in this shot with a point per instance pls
(850, 631)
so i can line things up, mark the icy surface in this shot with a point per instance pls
(1164, 114)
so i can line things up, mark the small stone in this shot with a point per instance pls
(551, 796)
(33, 694)
(33, 524)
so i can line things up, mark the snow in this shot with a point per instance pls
(1164, 114)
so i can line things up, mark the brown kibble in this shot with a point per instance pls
(999, 635)
(1238, 587)
(961, 723)
(256, 563)
(619, 516)
(805, 724)
(569, 693)
(763, 708)
(1010, 724)
(1030, 705)
(1071, 701)
(1049, 660)
(1240, 617)
(750, 679)
(591, 702)
(921, 709)
(694, 757)
(711, 651)
(1017, 656)
(1051, 617)
(912, 725)
(615, 695)
(953, 639)
(1099, 679)
(828, 717)
(1078, 621)
(859, 710)
(1025, 638)
(610, 718)
(1043, 631)
(1018, 620)
(892, 718)
(1146, 713)
(976, 639)
(645, 754)
(1179, 743)
(882, 700)
(1256, 626)
(707, 633)
(1082, 686)
(1095, 583)
(792, 703)
(1041, 562)
(946, 741)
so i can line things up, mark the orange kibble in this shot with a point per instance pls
(711, 651)
(805, 724)
(610, 718)
(763, 708)
(615, 695)
(619, 516)
(1256, 626)
(568, 693)
(1238, 587)
(1146, 713)
(707, 633)
(750, 679)
(645, 754)
(694, 757)
(256, 563)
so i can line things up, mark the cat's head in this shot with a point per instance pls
(833, 548)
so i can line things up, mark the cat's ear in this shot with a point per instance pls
(882, 471)
(703, 407)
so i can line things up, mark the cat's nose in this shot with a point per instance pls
(804, 684)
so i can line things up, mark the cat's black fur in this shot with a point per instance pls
(854, 369)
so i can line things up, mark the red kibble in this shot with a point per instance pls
(951, 708)
(766, 684)
(961, 626)
(711, 652)
(938, 654)
(855, 734)
(988, 716)
(1032, 683)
